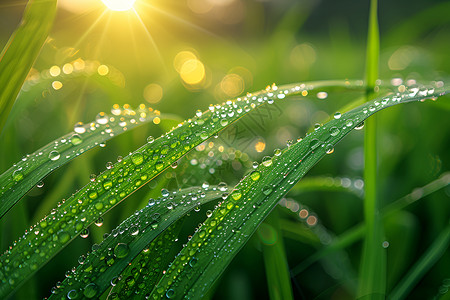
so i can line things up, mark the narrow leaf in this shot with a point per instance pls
(26, 173)
(129, 239)
(21, 51)
(232, 224)
(429, 258)
(45, 239)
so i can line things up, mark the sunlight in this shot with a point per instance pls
(119, 5)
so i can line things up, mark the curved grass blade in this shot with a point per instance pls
(224, 233)
(431, 256)
(355, 233)
(21, 51)
(129, 239)
(333, 184)
(25, 174)
(139, 277)
(49, 236)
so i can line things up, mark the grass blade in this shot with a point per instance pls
(357, 232)
(25, 43)
(225, 232)
(146, 269)
(25, 174)
(130, 238)
(131, 173)
(275, 261)
(332, 184)
(372, 276)
(430, 257)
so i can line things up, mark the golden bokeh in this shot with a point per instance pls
(55, 71)
(192, 72)
(103, 70)
(232, 85)
(57, 85)
(153, 93)
(181, 58)
(260, 146)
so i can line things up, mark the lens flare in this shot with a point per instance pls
(119, 5)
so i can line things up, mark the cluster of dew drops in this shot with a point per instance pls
(104, 126)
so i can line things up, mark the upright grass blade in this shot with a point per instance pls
(431, 256)
(45, 239)
(129, 240)
(372, 277)
(225, 232)
(275, 261)
(26, 173)
(21, 51)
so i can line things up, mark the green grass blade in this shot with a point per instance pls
(372, 274)
(275, 261)
(331, 184)
(126, 176)
(429, 258)
(26, 173)
(236, 219)
(139, 277)
(21, 51)
(130, 238)
(357, 232)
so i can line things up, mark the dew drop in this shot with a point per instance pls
(360, 126)
(84, 233)
(54, 155)
(101, 118)
(109, 165)
(222, 186)
(17, 175)
(76, 139)
(40, 184)
(72, 294)
(267, 190)
(159, 166)
(204, 135)
(255, 175)
(99, 222)
(314, 144)
(267, 161)
(322, 95)
(165, 193)
(90, 290)
(137, 158)
(236, 195)
(349, 123)
(277, 152)
(337, 115)
(170, 294)
(79, 128)
(134, 230)
(334, 131)
(121, 250)
(329, 149)
(193, 262)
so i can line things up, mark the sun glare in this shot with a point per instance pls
(119, 5)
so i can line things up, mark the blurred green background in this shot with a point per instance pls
(179, 56)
